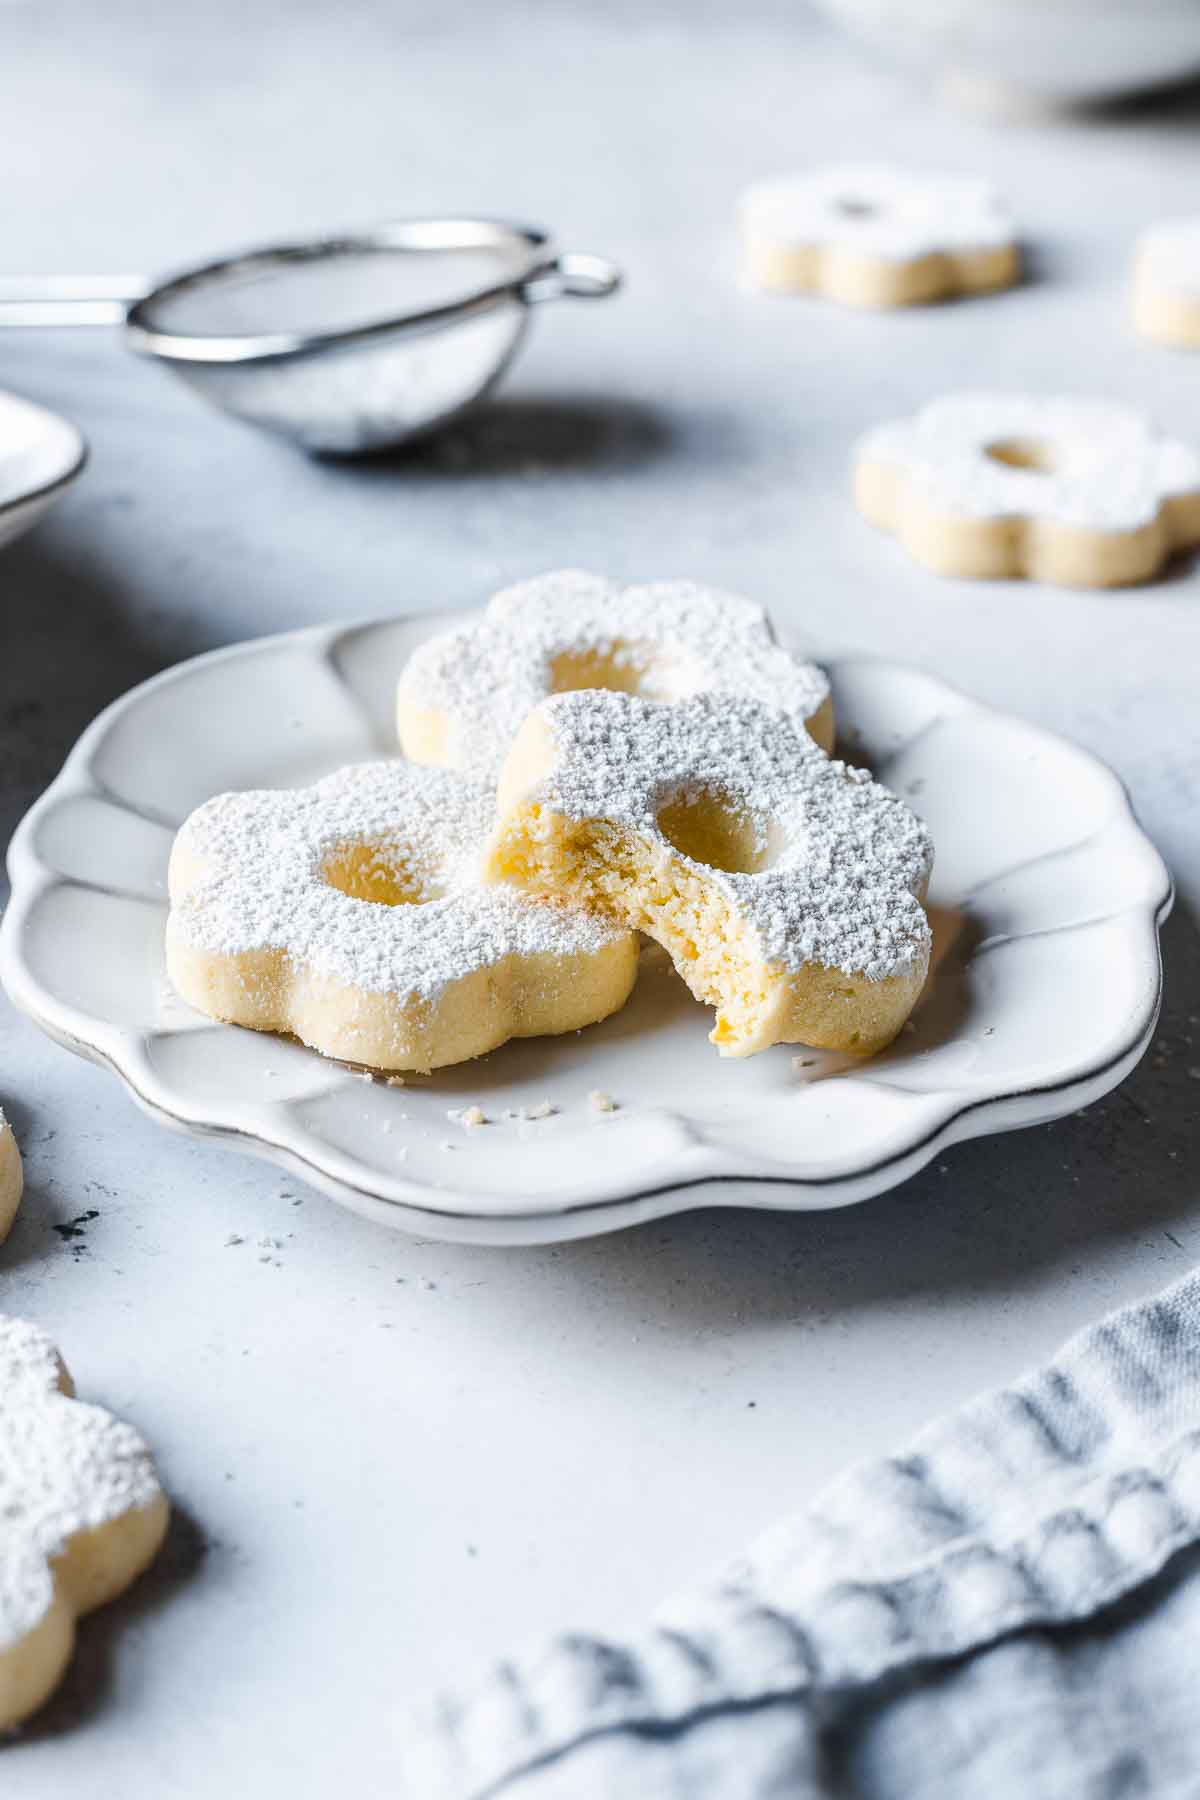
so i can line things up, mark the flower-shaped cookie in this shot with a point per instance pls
(877, 236)
(463, 695)
(83, 1515)
(351, 914)
(1079, 492)
(1166, 283)
(11, 1177)
(786, 887)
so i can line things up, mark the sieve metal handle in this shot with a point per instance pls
(69, 299)
(571, 276)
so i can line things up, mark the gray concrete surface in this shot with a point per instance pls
(391, 1458)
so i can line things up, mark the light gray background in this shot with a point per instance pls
(391, 1458)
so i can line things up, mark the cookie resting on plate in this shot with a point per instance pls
(786, 887)
(351, 914)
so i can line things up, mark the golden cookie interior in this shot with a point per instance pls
(786, 887)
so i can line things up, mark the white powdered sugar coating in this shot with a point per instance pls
(893, 214)
(263, 857)
(669, 638)
(1108, 469)
(1169, 256)
(849, 858)
(65, 1467)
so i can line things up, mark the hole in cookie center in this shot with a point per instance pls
(1037, 456)
(718, 833)
(380, 874)
(625, 667)
(852, 207)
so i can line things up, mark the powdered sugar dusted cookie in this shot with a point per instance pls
(1166, 283)
(351, 913)
(787, 888)
(463, 695)
(1080, 492)
(11, 1177)
(83, 1515)
(870, 235)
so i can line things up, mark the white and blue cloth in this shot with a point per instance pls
(1010, 1607)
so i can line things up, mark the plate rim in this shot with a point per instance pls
(45, 490)
(411, 1204)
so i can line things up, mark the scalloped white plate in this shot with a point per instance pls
(40, 455)
(1046, 900)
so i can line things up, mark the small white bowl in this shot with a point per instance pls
(1059, 51)
(40, 455)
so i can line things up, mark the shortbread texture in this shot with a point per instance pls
(1166, 283)
(876, 236)
(463, 695)
(11, 1178)
(351, 914)
(1082, 493)
(786, 887)
(83, 1514)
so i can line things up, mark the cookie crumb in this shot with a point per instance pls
(395, 1081)
(804, 1062)
(543, 1110)
(601, 1102)
(472, 1116)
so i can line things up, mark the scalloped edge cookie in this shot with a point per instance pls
(351, 913)
(84, 1515)
(869, 235)
(1073, 492)
(462, 695)
(1166, 284)
(12, 1178)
